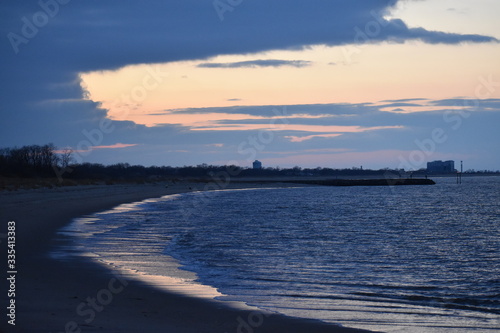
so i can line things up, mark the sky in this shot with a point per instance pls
(318, 83)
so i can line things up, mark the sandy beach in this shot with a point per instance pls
(82, 296)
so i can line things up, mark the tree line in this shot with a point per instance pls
(32, 160)
(35, 161)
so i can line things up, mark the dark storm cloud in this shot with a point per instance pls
(107, 34)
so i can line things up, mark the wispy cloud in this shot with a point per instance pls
(309, 137)
(115, 146)
(91, 148)
(257, 64)
(325, 129)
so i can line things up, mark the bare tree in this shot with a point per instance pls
(66, 158)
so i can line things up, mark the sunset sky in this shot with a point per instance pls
(309, 83)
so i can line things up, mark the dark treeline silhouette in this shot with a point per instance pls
(47, 161)
(29, 161)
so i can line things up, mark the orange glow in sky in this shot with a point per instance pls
(375, 73)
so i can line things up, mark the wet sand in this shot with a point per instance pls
(82, 296)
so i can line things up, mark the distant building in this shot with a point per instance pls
(441, 167)
(257, 165)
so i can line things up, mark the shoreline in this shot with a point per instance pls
(80, 295)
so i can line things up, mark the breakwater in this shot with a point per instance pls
(366, 182)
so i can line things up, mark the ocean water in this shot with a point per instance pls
(392, 259)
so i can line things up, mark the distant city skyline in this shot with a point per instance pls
(332, 84)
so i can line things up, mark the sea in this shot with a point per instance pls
(390, 258)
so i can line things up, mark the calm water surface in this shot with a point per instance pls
(395, 259)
